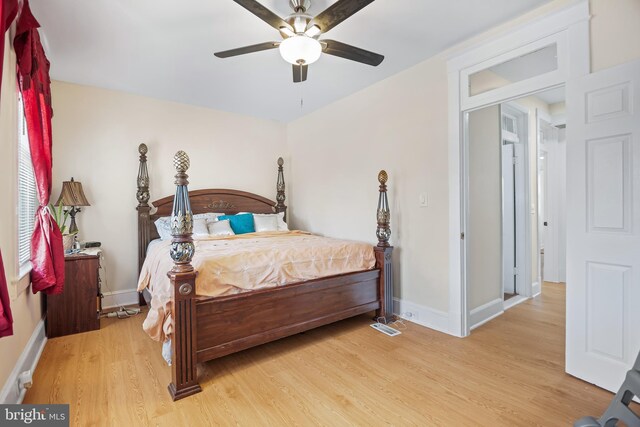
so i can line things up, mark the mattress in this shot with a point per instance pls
(235, 264)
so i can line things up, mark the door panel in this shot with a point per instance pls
(603, 225)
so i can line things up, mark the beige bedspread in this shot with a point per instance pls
(234, 264)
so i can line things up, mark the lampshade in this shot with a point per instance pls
(300, 50)
(72, 194)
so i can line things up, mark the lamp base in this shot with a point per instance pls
(73, 228)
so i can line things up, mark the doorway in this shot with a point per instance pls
(513, 189)
(552, 159)
(514, 142)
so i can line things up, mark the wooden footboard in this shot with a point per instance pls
(237, 322)
(205, 328)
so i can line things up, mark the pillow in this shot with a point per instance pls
(265, 223)
(282, 226)
(163, 224)
(220, 228)
(200, 227)
(240, 223)
(213, 217)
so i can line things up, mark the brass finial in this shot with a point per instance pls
(382, 177)
(142, 149)
(181, 161)
(280, 161)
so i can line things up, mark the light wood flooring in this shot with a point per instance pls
(509, 372)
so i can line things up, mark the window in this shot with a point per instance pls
(27, 196)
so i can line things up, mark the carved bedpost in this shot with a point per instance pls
(184, 376)
(383, 251)
(280, 196)
(143, 210)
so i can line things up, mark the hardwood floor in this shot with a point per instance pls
(509, 372)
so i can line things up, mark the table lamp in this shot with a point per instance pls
(72, 196)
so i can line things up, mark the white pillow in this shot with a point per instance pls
(213, 217)
(163, 224)
(200, 227)
(220, 228)
(282, 226)
(265, 222)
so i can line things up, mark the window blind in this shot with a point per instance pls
(27, 196)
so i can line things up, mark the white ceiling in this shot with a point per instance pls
(157, 49)
(552, 96)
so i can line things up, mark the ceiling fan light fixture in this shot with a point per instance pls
(300, 49)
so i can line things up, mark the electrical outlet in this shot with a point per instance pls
(410, 315)
(25, 380)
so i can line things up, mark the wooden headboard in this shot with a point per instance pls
(202, 201)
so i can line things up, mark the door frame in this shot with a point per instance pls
(569, 28)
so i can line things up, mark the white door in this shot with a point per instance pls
(603, 225)
(508, 219)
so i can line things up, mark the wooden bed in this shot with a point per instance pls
(206, 328)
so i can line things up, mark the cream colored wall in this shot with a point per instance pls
(26, 307)
(399, 125)
(615, 32)
(484, 233)
(97, 132)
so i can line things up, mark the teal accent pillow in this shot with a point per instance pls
(241, 223)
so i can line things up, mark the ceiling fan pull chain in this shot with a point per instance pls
(301, 90)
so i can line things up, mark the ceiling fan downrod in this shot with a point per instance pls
(300, 5)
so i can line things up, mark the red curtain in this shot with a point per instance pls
(8, 11)
(6, 319)
(47, 254)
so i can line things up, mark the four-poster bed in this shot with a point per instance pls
(205, 327)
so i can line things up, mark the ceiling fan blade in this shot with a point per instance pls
(338, 12)
(263, 13)
(351, 52)
(247, 49)
(300, 73)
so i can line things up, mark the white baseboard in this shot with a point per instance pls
(119, 298)
(513, 301)
(484, 313)
(536, 289)
(422, 315)
(28, 360)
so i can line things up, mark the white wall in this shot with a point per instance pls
(96, 133)
(25, 306)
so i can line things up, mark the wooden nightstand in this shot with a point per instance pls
(77, 309)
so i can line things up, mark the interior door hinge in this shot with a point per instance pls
(515, 271)
(462, 236)
(515, 160)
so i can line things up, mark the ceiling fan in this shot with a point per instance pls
(300, 33)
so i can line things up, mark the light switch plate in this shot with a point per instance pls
(423, 201)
